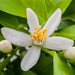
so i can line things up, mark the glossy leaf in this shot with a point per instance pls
(69, 32)
(8, 20)
(70, 17)
(44, 65)
(64, 24)
(70, 12)
(52, 5)
(61, 67)
(43, 8)
(14, 22)
(38, 6)
(14, 7)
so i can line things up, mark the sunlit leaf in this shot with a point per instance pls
(60, 66)
(43, 8)
(14, 7)
(52, 5)
(69, 32)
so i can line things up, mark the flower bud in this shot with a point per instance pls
(70, 53)
(5, 46)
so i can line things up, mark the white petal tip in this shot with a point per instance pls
(29, 10)
(30, 59)
(24, 68)
(59, 11)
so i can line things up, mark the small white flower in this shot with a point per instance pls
(39, 37)
(70, 53)
(5, 46)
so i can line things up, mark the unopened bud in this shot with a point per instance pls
(70, 53)
(5, 46)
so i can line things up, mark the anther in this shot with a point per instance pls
(35, 28)
(39, 35)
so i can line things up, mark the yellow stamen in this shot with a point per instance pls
(35, 28)
(45, 37)
(34, 32)
(39, 28)
(44, 30)
(39, 35)
(31, 35)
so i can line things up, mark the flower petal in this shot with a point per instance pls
(53, 22)
(16, 37)
(70, 53)
(58, 43)
(31, 58)
(32, 19)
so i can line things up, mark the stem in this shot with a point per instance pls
(6, 61)
(48, 51)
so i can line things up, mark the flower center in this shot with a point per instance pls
(39, 34)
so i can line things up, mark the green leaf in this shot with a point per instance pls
(60, 66)
(39, 7)
(4, 63)
(22, 22)
(14, 22)
(9, 72)
(64, 24)
(14, 7)
(70, 17)
(43, 8)
(44, 65)
(47, 7)
(1, 37)
(52, 5)
(17, 68)
(70, 12)
(1, 73)
(71, 9)
(8, 20)
(68, 32)
(28, 73)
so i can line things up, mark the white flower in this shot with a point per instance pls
(70, 53)
(39, 37)
(5, 46)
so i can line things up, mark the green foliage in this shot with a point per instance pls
(68, 32)
(44, 65)
(8, 20)
(64, 24)
(13, 15)
(52, 5)
(14, 7)
(18, 7)
(61, 67)
(70, 12)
